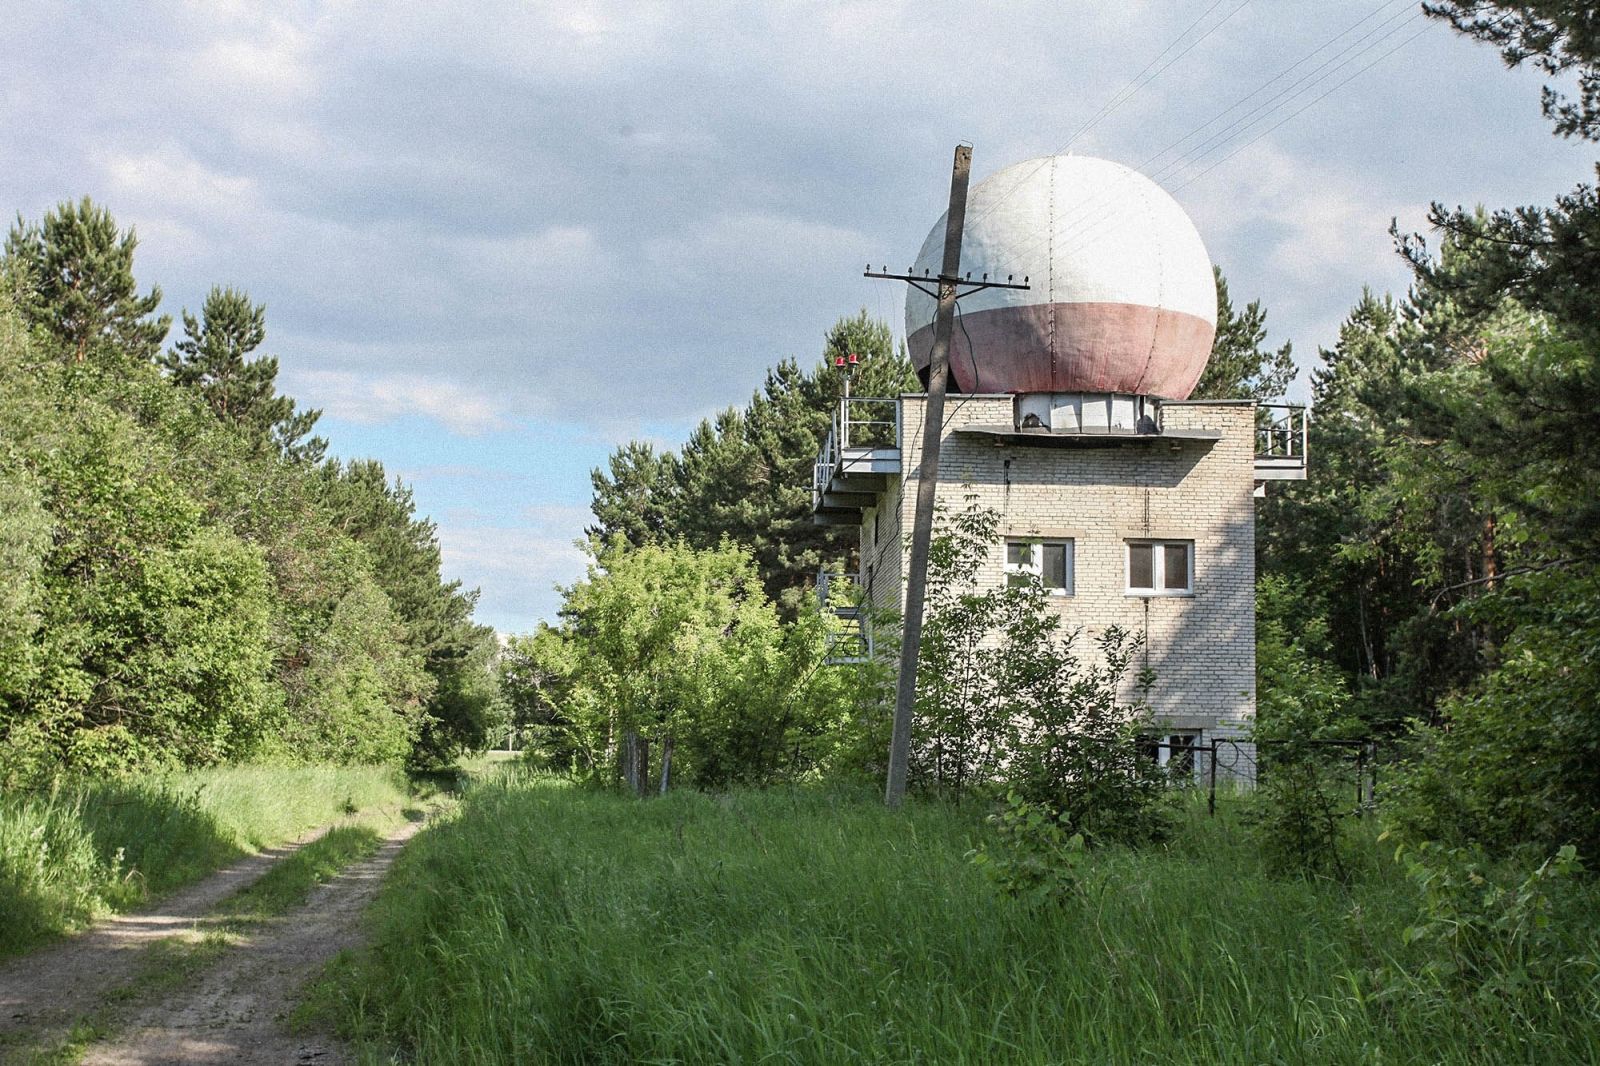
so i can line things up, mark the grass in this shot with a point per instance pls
(542, 923)
(85, 848)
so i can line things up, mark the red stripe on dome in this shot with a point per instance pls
(1099, 347)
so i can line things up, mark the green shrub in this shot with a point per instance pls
(1033, 857)
(1485, 930)
(1518, 768)
(1301, 699)
(1007, 699)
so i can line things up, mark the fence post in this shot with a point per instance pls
(1361, 779)
(1211, 800)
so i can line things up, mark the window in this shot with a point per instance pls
(1049, 562)
(1160, 567)
(1173, 752)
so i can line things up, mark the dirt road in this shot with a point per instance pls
(233, 1011)
(59, 984)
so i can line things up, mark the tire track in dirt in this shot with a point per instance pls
(53, 987)
(234, 1012)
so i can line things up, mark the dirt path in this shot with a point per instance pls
(234, 1012)
(54, 987)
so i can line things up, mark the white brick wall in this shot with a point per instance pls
(1201, 647)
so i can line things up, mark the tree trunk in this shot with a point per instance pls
(635, 762)
(1491, 558)
(666, 762)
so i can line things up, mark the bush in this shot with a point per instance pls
(1004, 699)
(1490, 932)
(1301, 698)
(1517, 767)
(1034, 857)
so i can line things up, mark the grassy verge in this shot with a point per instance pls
(545, 924)
(87, 848)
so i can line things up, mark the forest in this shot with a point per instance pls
(188, 580)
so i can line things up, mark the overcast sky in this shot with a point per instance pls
(494, 240)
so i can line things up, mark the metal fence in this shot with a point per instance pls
(1281, 431)
(1227, 765)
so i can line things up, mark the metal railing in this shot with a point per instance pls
(1350, 766)
(1281, 433)
(822, 472)
(868, 422)
(861, 424)
(850, 643)
(833, 586)
(838, 590)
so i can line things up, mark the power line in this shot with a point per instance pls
(1127, 92)
(1085, 227)
(1264, 133)
(1306, 83)
(1267, 84)
(1140, 80)
(1089, 217)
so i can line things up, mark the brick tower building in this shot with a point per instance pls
(1070, 417)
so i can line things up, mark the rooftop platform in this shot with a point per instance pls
(863, 449)
(860, 454)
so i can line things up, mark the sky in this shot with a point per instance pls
(495, 240)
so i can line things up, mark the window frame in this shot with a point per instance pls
(1158, 567)
(1035, 566)
(1162, 749)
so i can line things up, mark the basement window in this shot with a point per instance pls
(1160, 568)
(1173, 752)
(1048, 562)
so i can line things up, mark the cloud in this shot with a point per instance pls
(517, 567)
(382, 398)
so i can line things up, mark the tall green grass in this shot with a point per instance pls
(81, 849)
(546, 924)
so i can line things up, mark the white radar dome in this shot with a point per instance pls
(1121, 297)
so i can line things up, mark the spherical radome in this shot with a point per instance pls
(1121, 297)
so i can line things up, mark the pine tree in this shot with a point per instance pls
(1557, 36)
(633, 496)
(1240, 368)
(74, 273)
(746, 475)
(213, 360)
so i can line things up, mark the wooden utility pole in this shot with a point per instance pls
(951, 284)
(905, 696)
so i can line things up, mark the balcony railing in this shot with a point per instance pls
(862, 446)
(1281, 441)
